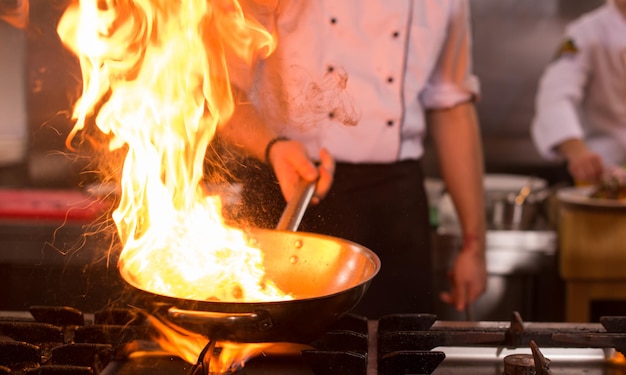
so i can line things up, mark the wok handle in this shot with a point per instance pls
(294, 211)
(258, 318)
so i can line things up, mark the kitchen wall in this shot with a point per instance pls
(14, 126)
(513, 41)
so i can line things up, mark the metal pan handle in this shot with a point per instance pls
(294, 211)
(259, 318)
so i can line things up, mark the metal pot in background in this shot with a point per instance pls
(512, 202)
(521, 211)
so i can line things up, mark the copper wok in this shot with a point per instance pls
(327, 277)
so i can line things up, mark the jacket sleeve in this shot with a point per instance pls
(559, 95)
(452, 80)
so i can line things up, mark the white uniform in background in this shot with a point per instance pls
(582, 93)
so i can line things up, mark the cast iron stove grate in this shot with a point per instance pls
(63, 340)
(59, 340)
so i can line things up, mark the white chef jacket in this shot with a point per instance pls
(356, 76)
(582, 94)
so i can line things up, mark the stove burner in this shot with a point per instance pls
(519, 364)
(342, 350)
(527, 364)
(118, 341)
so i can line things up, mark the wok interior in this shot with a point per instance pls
(304, 265)
(308, 265)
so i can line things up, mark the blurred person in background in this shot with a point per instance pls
(581, 101)
(366, 81)
(14, 127)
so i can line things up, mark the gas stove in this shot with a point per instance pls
(115, 341)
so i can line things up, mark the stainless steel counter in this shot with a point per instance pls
(489, 361)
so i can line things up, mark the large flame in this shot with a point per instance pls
(156, 79)
(232, 356)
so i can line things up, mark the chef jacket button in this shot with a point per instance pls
(331, 115)
(389, 122)
(333, 20)
(395, 34)
(330, 68)
(389, 79)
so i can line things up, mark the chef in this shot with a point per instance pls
(367, 80)
(581, 101)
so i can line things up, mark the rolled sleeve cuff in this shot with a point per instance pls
(551, 129)
(450, 94)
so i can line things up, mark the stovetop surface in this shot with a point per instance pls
(459, 361)
(563, 361)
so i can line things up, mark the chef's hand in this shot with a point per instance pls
(584, 165)
(290, 161)
(586, 168)
(468, 277)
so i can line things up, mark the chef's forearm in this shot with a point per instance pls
(456, 135)
(246, 130)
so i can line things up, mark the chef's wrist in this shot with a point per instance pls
(270, 145)
(473, 241)
(572, 148)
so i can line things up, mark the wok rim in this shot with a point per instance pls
(239, 305)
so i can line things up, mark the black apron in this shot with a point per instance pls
(380, 206)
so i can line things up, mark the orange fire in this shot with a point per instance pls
(156, 79)
(187, 345)
(157, 70)
(618, 359)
